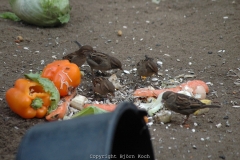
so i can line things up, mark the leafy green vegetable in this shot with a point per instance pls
(48, 86)
(9, 15)
(46, 13)
(88, 111)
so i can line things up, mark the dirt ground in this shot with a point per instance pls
(197, 36)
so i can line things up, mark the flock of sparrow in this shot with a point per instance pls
(103, 62)
(176, 102)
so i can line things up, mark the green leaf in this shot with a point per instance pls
(64, 19)
(89, 111)
(48, 86)
(9, 15)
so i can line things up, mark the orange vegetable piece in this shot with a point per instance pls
(107, 107)
(145, 92)
(62, 109)
(193, 84)
(65, 75)
(28, 99)
(145, 119)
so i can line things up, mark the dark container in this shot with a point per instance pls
(120, 134)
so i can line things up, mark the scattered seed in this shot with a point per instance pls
(218, 125)
(126, 71)
(194, 147)
(54, 57)
(225, 17)
(236, 106)
(227, 124)
(154, 79)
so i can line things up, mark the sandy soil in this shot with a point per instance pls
(202, 33)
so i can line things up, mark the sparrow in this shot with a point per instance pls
(183, 104)
(103, 86)
(102, 61)
(79, 57)
(147, 67)
(96, 60)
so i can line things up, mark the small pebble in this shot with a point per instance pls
(227, 124)
(222, 157)
(119, 33)
(226, 117)
(19, 39)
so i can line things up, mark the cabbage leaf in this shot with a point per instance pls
(45, 13)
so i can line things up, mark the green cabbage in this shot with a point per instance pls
(46, 13)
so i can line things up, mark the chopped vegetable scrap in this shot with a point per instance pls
(62, 108)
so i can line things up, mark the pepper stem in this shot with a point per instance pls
(37, 103)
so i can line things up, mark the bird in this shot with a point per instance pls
(96, 60)
(103, 86)
(183, 104)
(147, 67)
(79, 57)
(102, 61)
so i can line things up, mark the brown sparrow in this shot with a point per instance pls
(147, 67)
(103, 86)
(183, 104)
(102, 61)
(79, 57)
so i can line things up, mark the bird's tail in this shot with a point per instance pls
(78, 44)
(212, 106)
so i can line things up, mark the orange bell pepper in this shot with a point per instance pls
(28, 99)
(63, 74)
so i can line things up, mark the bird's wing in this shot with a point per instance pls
(152, 66)
(98, 57)
(182, 101)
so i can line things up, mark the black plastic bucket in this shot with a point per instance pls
(120, 134)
